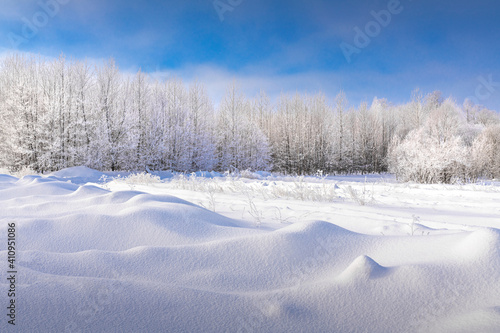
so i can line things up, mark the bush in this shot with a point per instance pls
(486, 152)
(422, 158)
(142, 179)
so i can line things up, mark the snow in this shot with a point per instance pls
(278, 254)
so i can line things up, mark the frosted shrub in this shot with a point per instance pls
(142, 179)
(435, 152)
(362, 197)
(486, 152)
(194, 183)
(298, 188)
(424, 159)
(304, 191)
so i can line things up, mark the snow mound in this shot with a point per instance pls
(131, 261)
(7, 179)
(78, 175)
(35, 186)
(77, 172)
(363, 268)
(483, 243)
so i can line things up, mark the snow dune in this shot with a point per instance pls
(95, 260)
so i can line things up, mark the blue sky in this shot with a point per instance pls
(452, 46)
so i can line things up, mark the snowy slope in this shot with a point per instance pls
(110, 259)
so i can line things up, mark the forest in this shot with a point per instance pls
(59, 113)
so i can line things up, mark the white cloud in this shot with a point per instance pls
(217, 79)
(359, 85)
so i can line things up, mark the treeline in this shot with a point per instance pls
(61, 113)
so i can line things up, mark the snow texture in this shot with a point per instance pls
(120, 257)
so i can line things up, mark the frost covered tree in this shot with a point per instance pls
(486, 152)
(433, 153)
(109, 143)
(202, 141)
(424, 159)
(240, 143)
(383, 132)
(80, 128)
(25, 123)
(178, 127)
(57, 113)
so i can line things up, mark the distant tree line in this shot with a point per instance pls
(61, 113)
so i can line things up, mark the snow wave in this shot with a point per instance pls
(99, 261)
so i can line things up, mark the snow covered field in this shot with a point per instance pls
(101, 252)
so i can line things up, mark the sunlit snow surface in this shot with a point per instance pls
(257, 254)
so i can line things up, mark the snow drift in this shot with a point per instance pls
(93, 260)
